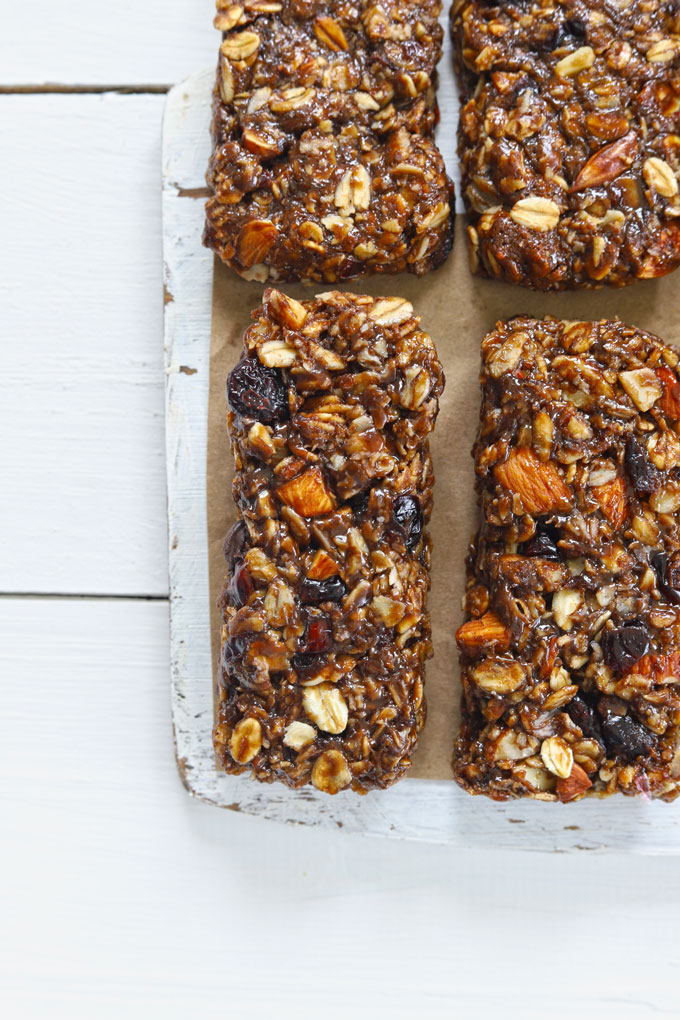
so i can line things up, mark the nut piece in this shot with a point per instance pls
(662, 52)
(557, 757)
(389, 611)
(607, 163)
(564, 604)
(660, 176)
(573, 63)
(489, 629)
(307, 494)
(277, 354)
(574, 786)
(331, 772)
(325, 705)
(330, 34)
(536, 213)
(299, 735)
(284, 310)
(391, 311)
(499, 676)
(254, 241)
(642, 386)
(670, 402)
(323, 566)
(538, 483)
(246, 740)
(613, 503)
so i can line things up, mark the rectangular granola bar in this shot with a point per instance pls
(569, 139)
(570, 653)
(325, 624)
(324, 166)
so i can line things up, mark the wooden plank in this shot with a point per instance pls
(126, 43)
(437, 812)
(121, 897)
(81, 297)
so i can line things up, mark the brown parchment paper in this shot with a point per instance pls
(456, 309)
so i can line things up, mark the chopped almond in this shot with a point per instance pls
(670, 401)
(612, 500)
(323, 566)
(487, 630)
(539, 484)
(307, 494)
(575, 785)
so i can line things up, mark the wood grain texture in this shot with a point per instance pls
(81, 298)
(433, 811)
(123, 42)
(122, 897)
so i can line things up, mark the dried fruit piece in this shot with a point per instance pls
(538, 483)
(612, 500)
(408, 515)
(543, 544)
(489, 629)
(586, 718)
(255, 391)
(626, 737)
(607, 164)
(668, 575)
(235, 544)
(331, 772)
(318, 636)
(246, 740)
(307, 494)
(331, 589)
(574, 786)
(622, 648)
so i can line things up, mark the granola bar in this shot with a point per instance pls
(324, 166)
(570, 652)
(325, 629)
(569, 139)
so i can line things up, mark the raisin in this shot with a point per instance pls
(407, 514)
(622, 648)
(330, 589)
(585, 717)
(241, 586)
(643, 476)
(573, 30)
(625, 736)
(235, 544)
(359, 503)
(303, 662)
(667, 575)
(257, 392)
(318, 636)
(543, 544)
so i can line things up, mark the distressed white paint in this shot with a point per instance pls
(81, 416)
(122, 42)
(414, 809)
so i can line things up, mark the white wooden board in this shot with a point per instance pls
(82, 414)
(414, 809)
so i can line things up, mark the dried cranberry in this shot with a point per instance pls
(625, 736)
(318, 636)
(643, 476)
(667, 575)
(543, 544)
(257, 391)
(241, 586)
(407, 514)
(330, 589)
(235, 544)
(622, 648)
(235, 647)
(585, 717)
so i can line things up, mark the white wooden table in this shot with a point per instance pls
(120, 896)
